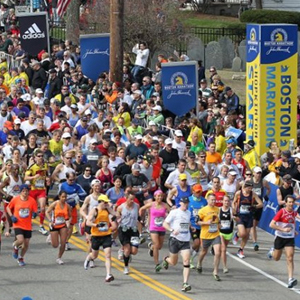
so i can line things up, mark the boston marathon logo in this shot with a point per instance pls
(33, 32)
(253, 42)
(279, 42)
(179, 85)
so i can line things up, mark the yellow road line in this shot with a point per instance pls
(137, 275)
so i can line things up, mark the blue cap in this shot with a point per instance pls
(27, 298)
(231, 140)
(24, 186)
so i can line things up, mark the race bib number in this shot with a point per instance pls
(24, 213)
(135, 241)
(184, 227)
(103, 227)
(159, 222)
(40, 183)
(171, 167)
(244, 209)
(213, 228)
(195, 212)
(153, 184)
(225, 224)
(60, 220)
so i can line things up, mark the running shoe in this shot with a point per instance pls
(225, 270)
(126, 270)
(43, 231)
(186, 287)
(15, 253)
(240, 253)
(67, 247)
(59, 261)
(86, 264)
(150, 252)
(21, 262)
(165, 264)
(109, 278)
(255, 246)
(142, 240)
(157, 268)
(292, 282)
(120, 254)
(235, 238)
(199, 269)
(216, 277)
(270, 253)
(92, 264)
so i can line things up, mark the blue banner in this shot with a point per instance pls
(94, 50)
(269, 211)
(180, 86)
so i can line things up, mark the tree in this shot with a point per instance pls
(72, 24)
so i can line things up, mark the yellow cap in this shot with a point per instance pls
(182, 176)
(103, 198)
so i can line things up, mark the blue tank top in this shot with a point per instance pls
(194, 206)
(73, 120)
(181, 194)
(81, 131)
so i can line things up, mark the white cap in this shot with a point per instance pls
(93, 141)
(152, 123)
(94, 181)
(26, 97)
(139, 92)
(155, 94)
(138, 137)
(136, 166)
(39, 91)
(178, 133)
(157, 107)
(297, 155)
(74, 105)
(232, 172)
(107, 131)
(257, 170)
(17, 121)
(66, 135)
(88, 112)
(168, 141)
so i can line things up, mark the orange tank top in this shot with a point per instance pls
(60, 215)
(102, 219)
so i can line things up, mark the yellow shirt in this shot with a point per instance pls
(252, 159)
(199, 132)
(40, 182)
(56, 148)
(220, 144)
(209, 232)
(25, 76)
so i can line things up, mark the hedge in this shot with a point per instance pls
(262, 16)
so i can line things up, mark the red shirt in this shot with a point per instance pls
(123, 200)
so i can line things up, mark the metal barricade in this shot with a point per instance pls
(11, 62)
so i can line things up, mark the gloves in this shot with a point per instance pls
(34, 215)
(266, 198)
(14, 219)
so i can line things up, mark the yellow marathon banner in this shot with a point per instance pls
(271, 86)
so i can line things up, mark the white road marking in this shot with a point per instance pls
(297, 291)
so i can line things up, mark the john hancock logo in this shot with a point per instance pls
(252, 41)
(279, 42)
(179, 85)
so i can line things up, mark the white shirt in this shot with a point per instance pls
(7, 151)
(179, 219)
(179, 147)
(38, 101)
(173, 178)
(114, 163)
(70, 61)
(141, 56)
(26, 126)
(67, 109)
(47, 121)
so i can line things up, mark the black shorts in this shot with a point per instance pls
(87, 229)
(104, 241)
(125, 236)
(26, 233)
(257, 214)
(246, 220)
(160, 233)
(175, 246)
(57, 229)
(195, 234)
(281, 243)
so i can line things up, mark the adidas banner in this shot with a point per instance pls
(34, 32)
(94, 54)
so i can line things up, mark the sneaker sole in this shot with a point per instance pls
(187, 289)
(112, 278)
(293, 284)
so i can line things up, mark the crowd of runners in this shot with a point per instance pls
(107, 160)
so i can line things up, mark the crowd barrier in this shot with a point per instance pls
(270, 209)
(11, 62)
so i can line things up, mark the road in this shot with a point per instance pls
(255, 277)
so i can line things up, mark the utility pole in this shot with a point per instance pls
(116, 39)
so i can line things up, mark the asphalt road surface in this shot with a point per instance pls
(254, 277)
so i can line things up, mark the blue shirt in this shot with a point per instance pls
(194, 206)
(111, 194)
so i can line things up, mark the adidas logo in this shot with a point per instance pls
(33, 32)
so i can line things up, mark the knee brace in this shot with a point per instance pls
(186, 266)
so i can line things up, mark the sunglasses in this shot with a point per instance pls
(248, 174)
(39, 156)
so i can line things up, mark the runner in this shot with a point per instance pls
(102, 227)
(21, 210)
(243, 206)
(178, 223)
(196, 203)
(37, 174)
(59, 216)
(210, 234)
(128, 229)
(158, 211)
(285, 225)
(226, 229)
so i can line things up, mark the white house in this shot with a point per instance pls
(288, 5)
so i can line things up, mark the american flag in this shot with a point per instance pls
(62, 6)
